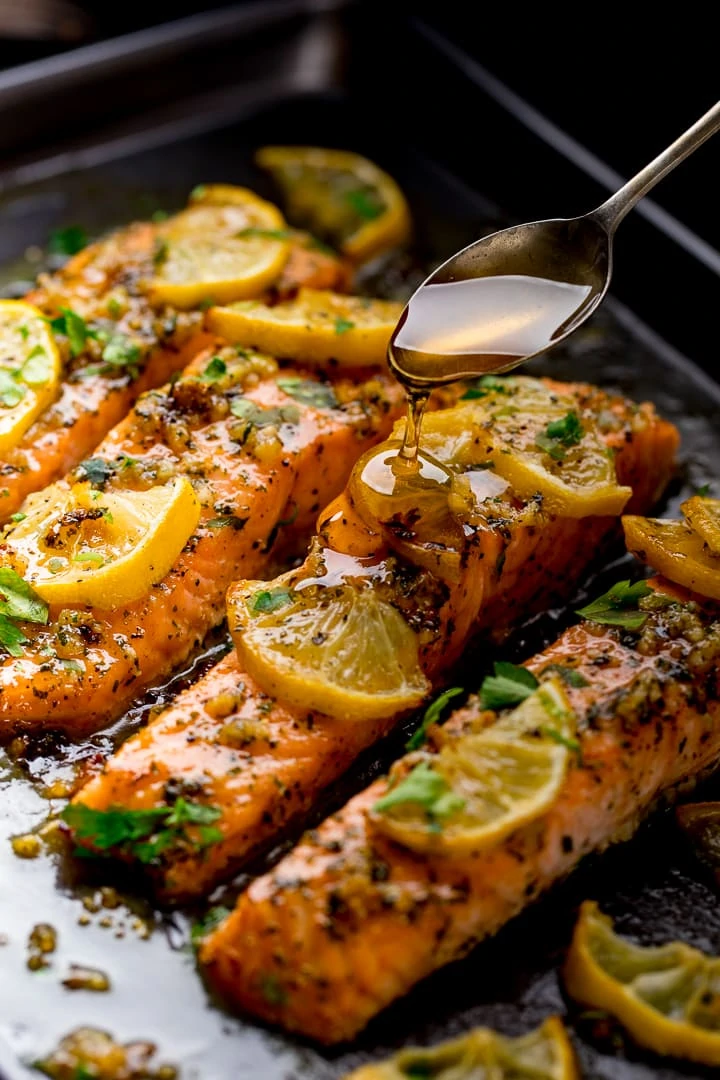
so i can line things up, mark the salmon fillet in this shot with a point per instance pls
(261, 763)
(104, 285)
(350, 920)
(250, 474)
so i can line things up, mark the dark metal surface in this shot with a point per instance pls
(651, 885)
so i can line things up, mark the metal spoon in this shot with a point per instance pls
(523, 290)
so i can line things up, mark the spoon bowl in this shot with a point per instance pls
(519, 292)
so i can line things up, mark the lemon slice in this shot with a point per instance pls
(541, 444)
(316, 326)
(703, 517)
(481, 787)
(341, 196)
(675, 551)
(228, 245)
(30, 369)
(668, 997)
(483, 1054)
(104, 549)
(335, 648)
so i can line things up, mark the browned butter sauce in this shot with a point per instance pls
(458, 329)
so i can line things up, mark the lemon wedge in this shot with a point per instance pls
(483, 1054)
(340, 196)
(675, 551)
(335, 648)
(703, 517)
(667, 997)
(229, 244)
(480, 787)
(542, 444)
(30, 369)
(104, 549)
(315, 327)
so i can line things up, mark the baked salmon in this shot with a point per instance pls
(260, 763)
(350, 920)
(104, 288)
(264, 450)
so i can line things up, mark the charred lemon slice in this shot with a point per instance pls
(338, 649)
(316, 327)
(542, 445)
(481, 787)
(340, 196)
(81, 546)
(543, 1054)
(667, 997)
(228, 245)
(675, 551)
(30, 369)
(703, 517)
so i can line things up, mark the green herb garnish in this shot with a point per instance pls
(68, 241)
(198, 192)
(256, 416)
(619, 606)
(269, 600)
(145, 834)
(487, 384)
(570, 676)
(432, 715)
(264, 234)
(160, 251)
(509, 685)
(90, 556)
(227, 521)
(272, 990)
(317, 394)
(19, 516)
(122, 352)
(342, 325)
(559, 435)
(74, 327)
(214, 370)
(95, 470)
(365, 203)
(703, 491)
(210, 920)
(18, 601)
(427, 789)
(564, 740)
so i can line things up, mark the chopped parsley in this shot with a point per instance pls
(256, 416)
(570, 676)
(509, 685)
(564, 740)
(160, 251)
(145, 834)
(317, 394)
(198, 192)
(619, 606)
(68, 241)
(272, 990)
(264, 234)
(122, 352)
(74, 328)
(342, 325)
(703, 491)
(226, 521)
(560, 435)
(425, 788)
(158, 216)
(365, 203)
(96, 470)
(433, 714)
(95, 557)
(19, 516)
(487, 384)
(210, 920)
(268, 600)
(18, 601)
(215, 370)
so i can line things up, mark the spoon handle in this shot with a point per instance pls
(610, 213)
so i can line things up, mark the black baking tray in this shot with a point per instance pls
(318, 73)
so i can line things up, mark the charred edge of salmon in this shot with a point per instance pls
(266, 774)
(350, 921)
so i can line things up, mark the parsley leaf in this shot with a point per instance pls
(342, 325)
(269, 600)
(308, 392)
(433, 714)
(427, 789)
(96, 470)
(256, 416)
(365, 203)
(227, 520)
(487, 384)
(18, 600)
(68, 241)
(210, 920)
(215, 370)
(619, 606)
(121, 351)
(74, 327)
(703, 491)
(509, 685)
(559, 435)
(145, 834)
